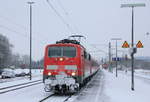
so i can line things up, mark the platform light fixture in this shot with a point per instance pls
(132, 37)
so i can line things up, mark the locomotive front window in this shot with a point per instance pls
(62, 52)
(69, 51)
(54, 51)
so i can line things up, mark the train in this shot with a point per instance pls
(67, 66)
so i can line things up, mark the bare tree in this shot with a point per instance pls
(25, 61)
(5, 51)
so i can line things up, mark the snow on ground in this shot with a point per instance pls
(15, 82)
(36, 74)
(119, 89)
(104, 87)
(143, 73)
(107, 88)
(29, 94)
(138, 72)
(93, 92)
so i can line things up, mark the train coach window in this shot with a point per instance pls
(85, 54)
(89, 57)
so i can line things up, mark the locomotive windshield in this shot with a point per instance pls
(62, 52)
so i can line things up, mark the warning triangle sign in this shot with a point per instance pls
(139, 44)
(125, 45)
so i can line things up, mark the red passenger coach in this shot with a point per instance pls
(67, 66)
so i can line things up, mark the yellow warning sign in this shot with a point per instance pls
(139, 44)
(125, 45)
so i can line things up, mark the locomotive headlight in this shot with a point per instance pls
(49, 73)
(61, 59)
(73, 73)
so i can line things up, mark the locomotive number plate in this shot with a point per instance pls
(60, 76)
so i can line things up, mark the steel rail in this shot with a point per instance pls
(78, 93)
(22, 86)
(19, 84)
(46, 98)
(83, 87)
(67, 98)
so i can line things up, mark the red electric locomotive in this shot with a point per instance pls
(67, 66)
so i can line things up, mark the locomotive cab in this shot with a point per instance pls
(62, 67)
(67, 66)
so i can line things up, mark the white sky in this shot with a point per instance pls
(97, 20)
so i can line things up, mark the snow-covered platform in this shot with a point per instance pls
(108, 88)
(118, 89)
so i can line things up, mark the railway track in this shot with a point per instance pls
(19, 86)
(46, 98)
(55, 96)
(50, 97)
(67, 97)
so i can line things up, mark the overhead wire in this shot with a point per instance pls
(25, 29)
(8, 20)
(95, 50)
(14, 31)
(61, 17)
(18, 33)
(61, 5)
(67, 14)
(99, 50)
(19, 25)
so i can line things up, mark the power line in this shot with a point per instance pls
(14, 31)
(67, 14)
(18, 33)
(61, 5)
(19, 25)
(8, 20)
(57, 13)
(99, 49)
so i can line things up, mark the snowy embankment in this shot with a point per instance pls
(36, 75)
(142, 73)
(28, 94)
(119, 89)
(138, 72)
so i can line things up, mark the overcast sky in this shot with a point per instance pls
(97, 20)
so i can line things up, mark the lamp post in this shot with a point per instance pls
(109, 50)
(132, 39)
(30, 4)
(0, 62)
(116, 54)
